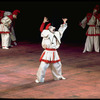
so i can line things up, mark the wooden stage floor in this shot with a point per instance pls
(19, 65)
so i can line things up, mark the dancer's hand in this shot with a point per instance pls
(64, 20)
(45, 20)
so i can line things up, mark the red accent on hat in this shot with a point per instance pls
(10, 16)
(15, 12)
(1, 11)
(47, 26)
(97, 7)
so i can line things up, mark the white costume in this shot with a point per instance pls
(12, 32)
(5, 32)
(92, 33)
(51, 42)
(5, 27)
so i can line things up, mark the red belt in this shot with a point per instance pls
(92, 25)
(50, 49)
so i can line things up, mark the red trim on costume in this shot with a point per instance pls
(91, 25)
(14, 41)
(93, 34)
(47, 27)
(42, 56)
(42, 27)
(89, 15)
(47, 61)
(4, 32)
(1, 14)
(50, 49)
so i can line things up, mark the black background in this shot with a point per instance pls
(32, 13)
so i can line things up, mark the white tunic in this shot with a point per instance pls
(51, 42)
(4, 26)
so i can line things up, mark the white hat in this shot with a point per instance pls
(51, 28)
(7, 13)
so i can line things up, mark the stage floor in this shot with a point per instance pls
(19, 65)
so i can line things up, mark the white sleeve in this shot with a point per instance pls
(62, 29)
(6, 21)
(84, 22)
(45, 33)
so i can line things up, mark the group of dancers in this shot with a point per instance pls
(51, 40)
(8, 37)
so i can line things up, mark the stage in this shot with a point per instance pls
(19, 65)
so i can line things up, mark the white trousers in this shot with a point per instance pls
(92, 42)
(5, 40)
(56, 69)
(13, 37)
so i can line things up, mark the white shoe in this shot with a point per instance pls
(60, 78)
(5, 48)
(84, 51)
(63, 78)
(97, 51)
(36, 81)
(15, 43)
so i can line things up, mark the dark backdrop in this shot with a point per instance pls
(32, 12)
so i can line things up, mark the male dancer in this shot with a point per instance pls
(5, 28)
(93, 32)
(51, 42)
(12, 34)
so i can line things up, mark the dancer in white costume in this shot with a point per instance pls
(12, 33)
(93, 32)
(5, 28)
(51, 41)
